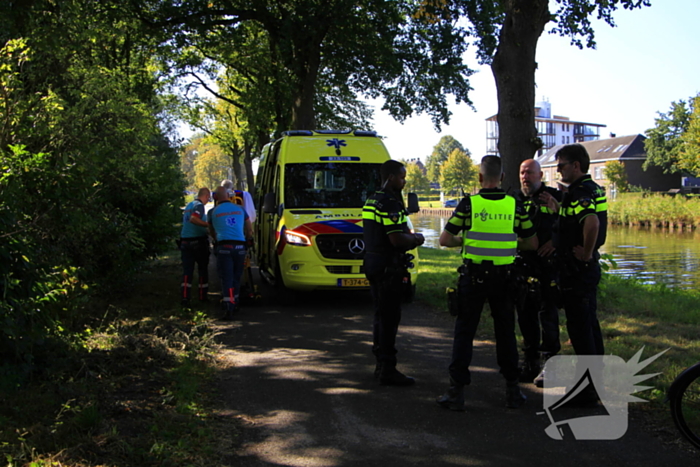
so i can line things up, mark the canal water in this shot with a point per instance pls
(651, 255)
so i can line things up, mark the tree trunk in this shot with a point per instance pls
(303, 116)
(248, 161)
(236, 166)
(513, 68)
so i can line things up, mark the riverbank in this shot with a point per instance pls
(438, 212)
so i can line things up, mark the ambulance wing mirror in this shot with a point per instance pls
(269, 203)
(413, 206)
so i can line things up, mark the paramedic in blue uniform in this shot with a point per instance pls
(489, 227)
(194, 247)
(230, 226)
(387, 239)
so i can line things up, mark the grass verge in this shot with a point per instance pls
(132, 392)
(632, 316)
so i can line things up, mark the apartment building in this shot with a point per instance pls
(553, 129)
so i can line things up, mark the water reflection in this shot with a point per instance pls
(652, 255)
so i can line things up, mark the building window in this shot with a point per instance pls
(599, 174)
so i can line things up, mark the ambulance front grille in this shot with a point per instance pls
(341, 246)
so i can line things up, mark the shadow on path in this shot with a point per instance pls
(300, 382)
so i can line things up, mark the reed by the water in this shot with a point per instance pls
(655, 210)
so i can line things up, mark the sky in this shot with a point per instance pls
(649, 60)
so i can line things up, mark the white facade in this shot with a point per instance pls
(552, 129)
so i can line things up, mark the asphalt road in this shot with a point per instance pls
(299, 380)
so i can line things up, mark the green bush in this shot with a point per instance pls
(89, 189)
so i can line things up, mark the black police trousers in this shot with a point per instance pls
(579, 287)
(386, 291)
(473, 293)
(538, 315)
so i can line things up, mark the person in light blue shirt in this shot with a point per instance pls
(194, 247)
(230, 227)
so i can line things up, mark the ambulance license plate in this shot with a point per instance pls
(353, 283)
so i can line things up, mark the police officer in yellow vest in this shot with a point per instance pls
(494, 226)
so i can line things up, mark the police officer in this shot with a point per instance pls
(537, 307)
(230, 226)
(387, 238)
(583, 223)
(492, 222)
(194, 247)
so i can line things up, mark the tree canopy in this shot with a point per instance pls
(669, 144)
(416, 180)
(616, 173)
(458, 173)
(689, 154)
(441, 152)
(325, 52)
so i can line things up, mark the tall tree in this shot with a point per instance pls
(458, 172)
(416, 181)
(441, 152)
(212, 166)
(617, 174)
(689, 158)
(506, 33)
(664, 142)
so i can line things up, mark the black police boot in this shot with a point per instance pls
(530, 369)
(453, 399)
(377, 370)
(514, 397)
(390, 376)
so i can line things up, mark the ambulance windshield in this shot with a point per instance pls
(329, 185)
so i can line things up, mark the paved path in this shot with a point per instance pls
(299, 380)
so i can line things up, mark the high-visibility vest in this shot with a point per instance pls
(492, 234)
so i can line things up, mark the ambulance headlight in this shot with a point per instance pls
(294, 238)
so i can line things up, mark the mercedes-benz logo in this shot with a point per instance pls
(356, 246)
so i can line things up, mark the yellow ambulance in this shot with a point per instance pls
(312, 186)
